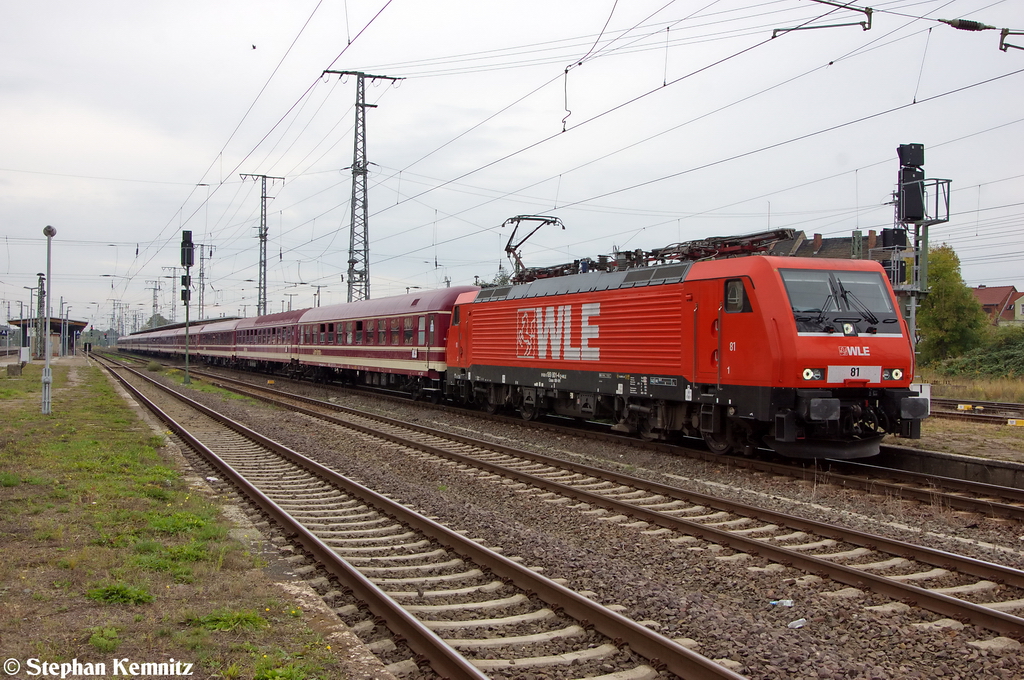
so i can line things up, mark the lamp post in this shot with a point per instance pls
(49, 232)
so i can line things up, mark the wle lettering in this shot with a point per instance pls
(548, 333)
(853, 351)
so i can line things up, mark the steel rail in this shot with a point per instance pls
(981, 488)
(932, 556)
(920, 493)
(986, 617)
(663, 653)
(442, 658)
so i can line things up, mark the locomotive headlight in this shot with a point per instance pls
(892, 374)
(814, 374)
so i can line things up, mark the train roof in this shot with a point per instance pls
(661, 274)
(438, 300)
(279, 319)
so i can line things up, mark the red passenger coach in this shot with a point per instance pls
(809, 357)
(396, 342)
(267, 343)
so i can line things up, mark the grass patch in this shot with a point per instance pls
(118, 593)
(105, 547)
(977, 388)
(225, 619)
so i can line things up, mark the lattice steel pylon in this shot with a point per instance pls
(261, 303)
(359, 238)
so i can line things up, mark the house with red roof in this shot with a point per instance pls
(1003, 304)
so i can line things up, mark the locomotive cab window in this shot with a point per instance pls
(736, 296)
(852, 302)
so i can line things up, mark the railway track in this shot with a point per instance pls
(1001, 413)
(962, 494)
(466, 610)
(952, 586)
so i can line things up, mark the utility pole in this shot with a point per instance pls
(156, 306)
(174, 298)
(261, 304)
(359, 239)
(202, 275)
(187, 260)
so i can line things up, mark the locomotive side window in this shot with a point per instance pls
(736, 296)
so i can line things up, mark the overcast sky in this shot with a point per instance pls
(639, 124)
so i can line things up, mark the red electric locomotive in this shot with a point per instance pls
(810, 357)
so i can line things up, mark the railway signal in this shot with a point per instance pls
(187, 260)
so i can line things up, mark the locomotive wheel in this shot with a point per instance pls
(719, 444)
(646, 432)
(490, 408)
(529, 411)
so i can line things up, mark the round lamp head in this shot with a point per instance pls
(49, 231)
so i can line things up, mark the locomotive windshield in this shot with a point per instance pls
(818, 297)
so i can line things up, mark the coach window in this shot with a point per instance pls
(371, 331)
(396, 332)
(330, 334)
(323, 333)
(382, 331)
(407, 331)
(432, 324)
(736, 296)
(421, 337)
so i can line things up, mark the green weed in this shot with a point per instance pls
(118, 593)
(225, 619)
(104, 639)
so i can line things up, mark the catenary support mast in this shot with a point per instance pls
(359, 240)
(261, 303)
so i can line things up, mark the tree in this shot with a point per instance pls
(950, 319)
(502, 278)
(155, 321)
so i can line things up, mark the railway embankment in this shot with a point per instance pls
(112, 553)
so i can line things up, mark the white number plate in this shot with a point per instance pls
(838, 374)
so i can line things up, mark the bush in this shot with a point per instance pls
(1001, 357)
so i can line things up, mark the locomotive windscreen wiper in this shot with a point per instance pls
(853, 301)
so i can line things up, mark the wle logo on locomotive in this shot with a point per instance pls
(548, 332)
